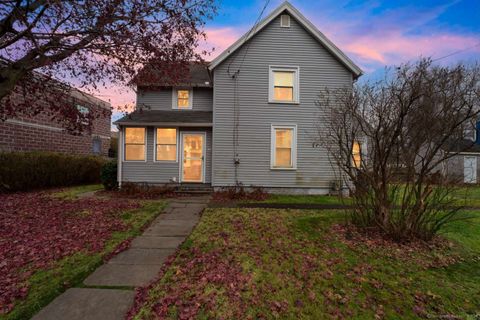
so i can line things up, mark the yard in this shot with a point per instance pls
(52, 240)
(302, 264)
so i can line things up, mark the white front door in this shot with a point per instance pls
(470, 169)
(193, 157)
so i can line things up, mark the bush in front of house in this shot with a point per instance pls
(109, 175)
(23, 171)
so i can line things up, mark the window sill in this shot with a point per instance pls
(134, 161)
(283, 169)
(283, 102)
(165, 161)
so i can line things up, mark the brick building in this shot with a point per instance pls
(41, 133)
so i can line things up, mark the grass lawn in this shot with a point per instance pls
(464, 196)
(299, 264)
(74, 192)
(305, 199)
(56, 270)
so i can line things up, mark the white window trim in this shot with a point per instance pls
(175, 98)
(296, 84)
(272, 145)
(155, 145)
(474, 131)
(124, 146)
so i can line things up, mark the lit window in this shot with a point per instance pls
(166, 146)
(356, 154)
(284, 147)
(182, 99)
(284, 85)
(134, 144)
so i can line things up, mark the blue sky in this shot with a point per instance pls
(373, 33)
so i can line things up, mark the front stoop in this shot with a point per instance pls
(134, 267)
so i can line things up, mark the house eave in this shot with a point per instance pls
(164, 124)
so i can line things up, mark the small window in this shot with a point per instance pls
(83, 114)
(356, 154)
(135, 144)
(283, 85)
(285, 21)
(97, 145)
(166, 144)
(182, 99)
(284, 142)
(470, 134)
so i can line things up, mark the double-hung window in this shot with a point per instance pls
(284, 147)
(284, 85)
(166, 144)
(135, 144)
(182, 99)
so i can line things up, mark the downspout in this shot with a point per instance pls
(119, 156)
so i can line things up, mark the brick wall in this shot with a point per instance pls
(40, 133)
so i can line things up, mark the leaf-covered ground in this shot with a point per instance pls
(47, 243)
(291, 264)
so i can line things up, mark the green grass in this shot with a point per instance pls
(296, 267)
(305, 199)
(73, 192)
(463, 196)
(47, 284)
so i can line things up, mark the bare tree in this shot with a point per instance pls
(388, 140)
(92, 42)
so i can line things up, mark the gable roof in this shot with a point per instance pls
(306, 24)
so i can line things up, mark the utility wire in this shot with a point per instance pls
(253, 29)
(457, 52)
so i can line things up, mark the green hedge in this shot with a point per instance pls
(32, 170)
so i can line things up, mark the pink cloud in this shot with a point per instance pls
(220, 39)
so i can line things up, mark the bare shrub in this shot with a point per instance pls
(405, 126)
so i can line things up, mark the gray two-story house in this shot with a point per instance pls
(247, 118)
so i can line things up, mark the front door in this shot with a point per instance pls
(470, 169)
(193, 146)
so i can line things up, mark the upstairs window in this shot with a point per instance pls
(166, 144)
(182, 99)
(135, 144)
(284, 86)
(284, 144)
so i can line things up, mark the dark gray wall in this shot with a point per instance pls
(318, 69)
(161, 99)
(161, 172)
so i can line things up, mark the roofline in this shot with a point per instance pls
(319, 36)
(171, 124)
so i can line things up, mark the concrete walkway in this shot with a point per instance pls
(108, 296)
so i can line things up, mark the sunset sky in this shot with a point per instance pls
(373, 33)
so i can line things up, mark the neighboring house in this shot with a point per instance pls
(464, 167)
(41, 133)
(249, 118)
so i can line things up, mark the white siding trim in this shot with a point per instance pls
(272, 145)
(175, 98)
(296, 84)
(155, 145)
(120, 157)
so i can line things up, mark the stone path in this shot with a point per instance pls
(107, 298)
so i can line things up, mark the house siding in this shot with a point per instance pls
(162, 172)
(161, 99)
(454, 167)
(318, 69)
